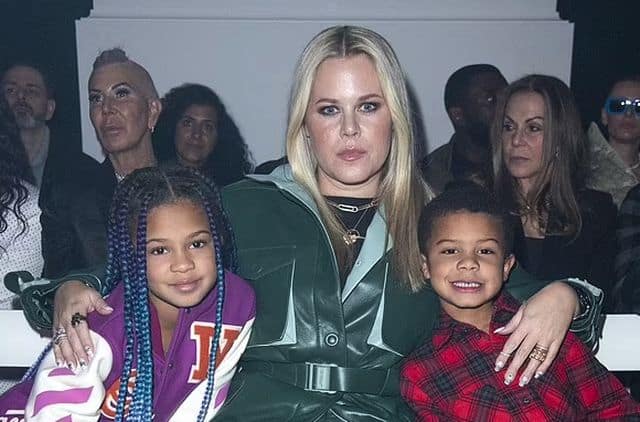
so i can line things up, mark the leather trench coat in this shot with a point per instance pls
(312, 337)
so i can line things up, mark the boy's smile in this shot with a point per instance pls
(466, 264)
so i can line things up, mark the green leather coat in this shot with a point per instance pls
(304, 316)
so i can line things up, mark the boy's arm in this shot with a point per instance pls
(600, 393)
(58, 393)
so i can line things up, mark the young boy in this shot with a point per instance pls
(465, 239)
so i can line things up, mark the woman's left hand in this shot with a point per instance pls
(542, 321)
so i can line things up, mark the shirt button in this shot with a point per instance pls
(170, 366)
(331, 339)
(526, 400)
(358, 263)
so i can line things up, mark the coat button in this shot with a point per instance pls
(331, 339)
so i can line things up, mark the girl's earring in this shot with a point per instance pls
(557, 153)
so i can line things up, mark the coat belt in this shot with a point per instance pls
(329, 378)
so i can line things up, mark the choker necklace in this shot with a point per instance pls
(352, 235)
(353, 208)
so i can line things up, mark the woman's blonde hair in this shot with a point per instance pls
(402, 191)
(564, 156)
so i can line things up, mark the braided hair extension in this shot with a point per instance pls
(123, 263)
(143, 393)
(31, 372)
(219, 215)
(213, 348)
(141, 192)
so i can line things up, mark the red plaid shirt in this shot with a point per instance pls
(452, 377)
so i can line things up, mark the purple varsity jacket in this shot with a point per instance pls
(59, 394)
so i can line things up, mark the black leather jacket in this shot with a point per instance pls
(75, 210)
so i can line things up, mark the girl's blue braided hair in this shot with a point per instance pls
(137, 195)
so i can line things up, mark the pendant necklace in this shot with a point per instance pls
(352, 235)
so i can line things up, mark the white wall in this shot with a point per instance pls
(246, 49)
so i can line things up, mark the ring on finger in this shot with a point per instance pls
(58, 338)
(539, 353)
(77, 318)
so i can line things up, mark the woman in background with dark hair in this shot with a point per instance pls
(539, 161)
(195, 130)
(20, 247)
(20, 230)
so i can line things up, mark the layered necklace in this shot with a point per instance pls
(529, 212)
(347, 214)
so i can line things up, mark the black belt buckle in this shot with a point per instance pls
(318, 377)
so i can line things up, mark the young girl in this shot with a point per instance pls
(158, 354)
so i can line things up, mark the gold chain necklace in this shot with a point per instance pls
(352, 235)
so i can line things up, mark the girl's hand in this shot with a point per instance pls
(543, 321)
(72, 343)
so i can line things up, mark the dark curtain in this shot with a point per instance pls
(605, 46)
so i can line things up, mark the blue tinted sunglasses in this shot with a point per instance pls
(622, 105)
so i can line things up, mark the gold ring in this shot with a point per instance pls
(539, 353)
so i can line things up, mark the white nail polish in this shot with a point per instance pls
(508, 379)
(523, 381)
